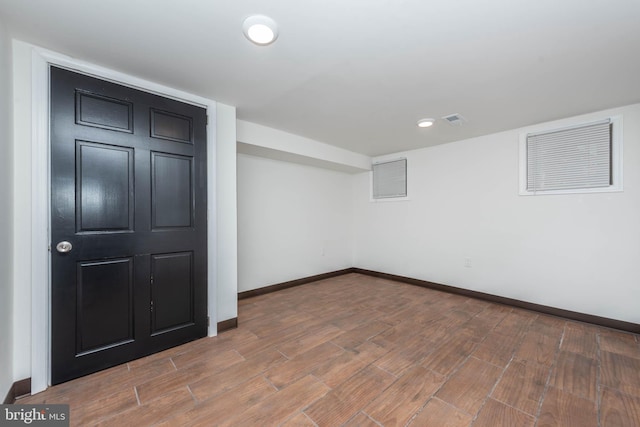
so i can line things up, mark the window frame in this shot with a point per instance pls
(389, 198)
(616, 158)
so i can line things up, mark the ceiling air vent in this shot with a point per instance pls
(454, 119)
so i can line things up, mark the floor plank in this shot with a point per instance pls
(94, 411)
(296, 368)
(576, 374)
(204, 388)
(497, 349)
(361, 420)
(580, 338)
(539, 347)
(356, 336)
(301, 420)
(437, 413)
(619, 409)
(163, 384)
(404, 398)
(164, 407)
(278, 407)
(495, 414)
(619, 342)
(313, 338)
(560, 408)
(225, 405)
(350, 397)
(468, 388)
(620, 372)
(398, 360)
(451, 353)
(522, 386)
(336, 370)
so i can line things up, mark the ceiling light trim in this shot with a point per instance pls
(425, 123)
(260, 30)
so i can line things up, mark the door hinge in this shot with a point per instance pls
(152, 306)
(208, 321)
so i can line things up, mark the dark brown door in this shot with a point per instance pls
(128, 224)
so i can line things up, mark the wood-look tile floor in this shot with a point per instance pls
(361, 351)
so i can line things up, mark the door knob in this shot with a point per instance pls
(64, 247)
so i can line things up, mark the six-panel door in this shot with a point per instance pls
(128, 194)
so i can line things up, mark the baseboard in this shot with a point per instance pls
(227, 325)
(17, 390)
(567, 314)
(292, 283)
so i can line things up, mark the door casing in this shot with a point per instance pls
(40, 220)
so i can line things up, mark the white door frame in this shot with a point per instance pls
(40, 200)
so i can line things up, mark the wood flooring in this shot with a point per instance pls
(355, 350)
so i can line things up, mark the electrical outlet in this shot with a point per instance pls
(467, 262)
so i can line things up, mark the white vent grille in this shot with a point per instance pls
(454, 119)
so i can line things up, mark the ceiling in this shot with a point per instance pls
(358, 74)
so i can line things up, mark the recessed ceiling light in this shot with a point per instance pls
(260, 29)
(425, 123)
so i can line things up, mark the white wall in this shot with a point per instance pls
(578, 252)
(294, 221)
(22, 210)
(226, 216)
(6, 217)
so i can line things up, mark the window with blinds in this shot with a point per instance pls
(576, 159)
(389, 179)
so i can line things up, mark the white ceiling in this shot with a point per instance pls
(358, 74)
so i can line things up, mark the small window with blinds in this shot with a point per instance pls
(578, 159)
(389, 179)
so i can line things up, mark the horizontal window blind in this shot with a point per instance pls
(390, 179)
(573, 158)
